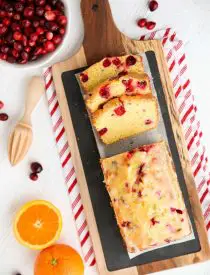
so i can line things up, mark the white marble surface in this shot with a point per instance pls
(191, 19)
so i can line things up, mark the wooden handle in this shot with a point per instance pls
(33, 94)
(100, 31)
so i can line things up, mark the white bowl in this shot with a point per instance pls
(51, 58)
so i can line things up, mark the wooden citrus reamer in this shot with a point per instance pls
(102, 38)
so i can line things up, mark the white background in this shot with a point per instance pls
(191, 19)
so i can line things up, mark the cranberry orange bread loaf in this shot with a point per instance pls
(146, 197)
(130, 84)
(126, 116)
(110, 67)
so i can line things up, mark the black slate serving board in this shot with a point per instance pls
(115, 253)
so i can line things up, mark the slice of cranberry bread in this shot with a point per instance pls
(110, 67)
(146, 197)
(130, 84)
(126, 116)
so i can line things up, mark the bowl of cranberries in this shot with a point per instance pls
(32, 32)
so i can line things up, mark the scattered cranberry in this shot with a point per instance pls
(150, 25)
(102, 131)
(4, 117)
(104, 92)
(84, 77)
(130, 60)
(36, 167)
(125, 224)
(33, 176)
(142, 22)
(153, 221)
(130, 154)
(1, 104)
(146, 148)
(119, 111)
(153, 5)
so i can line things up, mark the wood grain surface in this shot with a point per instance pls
(102, 38)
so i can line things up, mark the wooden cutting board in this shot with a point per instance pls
(102, 38)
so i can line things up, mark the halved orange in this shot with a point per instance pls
(38, 224)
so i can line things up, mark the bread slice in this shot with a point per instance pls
(110, 67)
(126, 116)
(146, 197)
(130, 84)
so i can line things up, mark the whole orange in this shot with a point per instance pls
(58, 259)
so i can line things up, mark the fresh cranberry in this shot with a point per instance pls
(3, 56)
(47, 8)
(16, 16)
(9, 38)
(52, 26)
(104, 92)
(38, 51)
(116, 61)
(31, 43)
(17, 36)
(3, 117)
(49, 46)
(40, 11)
(150, 25)
(119, 111)
(130, 60)
(102, 131)
(84, 77)
(4, 49)
(15, 27)
(36, 24)
(106, 62)
(148, 121)
(2, 13)
(40, 30)
(1, 105)
(142, 84)
(57, 39)
(19, 7)
(6, 21)
(41, 39)
(62, 20)
(153, 5)
(27, 49)
(15, 53)
(59, 5)
(142, 22)
(28, 12)
(33, 176)
(40, 2)
(8, 7)
(24, 55)
(26, 23)
(10, 14)
(49, 36)
(62, 31)
(50, 16)
(25, 41)
(28, 31)
(3, 29)
(36, 167)
(33, 36)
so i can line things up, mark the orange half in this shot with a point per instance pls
(38, 224)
